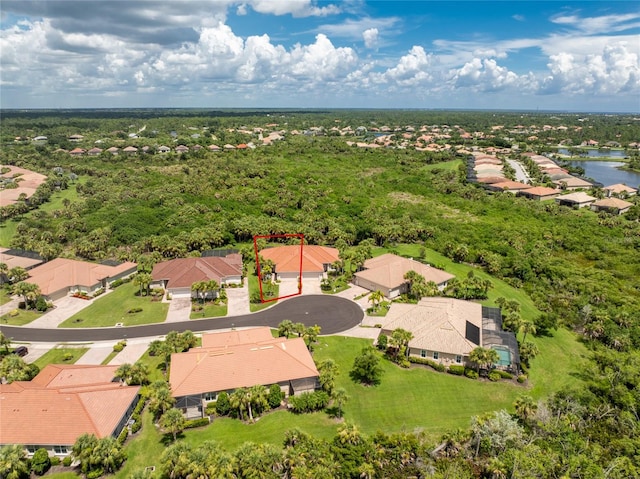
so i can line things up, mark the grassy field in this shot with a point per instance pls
(8, 228)
(23, 317)
(60, 355)
(5, 297)
(112, 308)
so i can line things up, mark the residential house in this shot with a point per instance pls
(114, 150)
(164, 149)
(76, 138)
(95, 151)
(446, 330)
(182, 149)
(62, 276)
(77, 152)
(215, 148)
(572, 183)
(539, 193)
(62, 403)
(27, 182)
(579, 199)
(507, 185)
(234, 359)
(177, 275)
(612, 205)
(621, 190)
(19, 258)
(313, 260)
(130, 150)
(386, 273)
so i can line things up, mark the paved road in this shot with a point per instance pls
(521, 174)
(333, 314)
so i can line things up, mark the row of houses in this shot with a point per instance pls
(132, 150)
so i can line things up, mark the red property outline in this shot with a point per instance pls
(255, 248)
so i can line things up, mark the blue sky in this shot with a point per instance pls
(547, 55)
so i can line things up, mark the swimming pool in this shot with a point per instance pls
(504, 354)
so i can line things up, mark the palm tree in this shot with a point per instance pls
(240, 400)
(400, 341)
(527, 327)
(160, 398)
(339, 397)
(14, 463)
(483, 357)
(285, 328)
(123, 373)
(525, 407)
(28, 291)
(257, 399)
(142, 280)
(375, 298)
(328, 370)
(5, 341)
(173, 421)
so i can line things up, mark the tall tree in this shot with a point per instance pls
(339, 397)
(240, 400)
(366, 366)
(173, 421)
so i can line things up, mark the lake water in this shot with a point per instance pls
(595, 153)
(607, 172)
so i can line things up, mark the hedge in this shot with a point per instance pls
(494, 376)
(428, 362)
(471, 373)
(309, 402)
(122, 437)
(456, 370)
(204, 421)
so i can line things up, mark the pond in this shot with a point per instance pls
(591, 153)
(607, 172)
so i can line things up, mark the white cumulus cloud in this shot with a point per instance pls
(370, 37)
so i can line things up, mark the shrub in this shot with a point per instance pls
(40, 462)
(275, 396)
(67, 357)
(134, 310)
(210, 408)
(137, 423)
(116, 283)
(66, 461)
(428, 362)
(222, 404)
(95, 473)
(522, 378)
(382, 342)
(504, 374)
(13, 313)
(456, 370)
(203, 421)
(41, 304)
(119, 346)
(309, 402)
(494, 376)
(98, 292)
(122, 437)
(55, 461)
(404, 363)
(471, 374)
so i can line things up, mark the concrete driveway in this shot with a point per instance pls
(64, 309)
(238, 300)
(179, 310)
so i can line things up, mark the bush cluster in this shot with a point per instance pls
(275, 396)
(222, 404)
(471, 373)
(457, 370)
(428, 362)
(134, 310)
(40, 462)
(203, 421)
(119, 346)
(309, 402)
(494, 376)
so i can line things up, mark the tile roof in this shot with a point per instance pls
(572, 181)
(620, 188)
(287, 258)
(235, 365)
(541, 191)
(63, 273)
(237, 336)
(577, 197)
(388, 271)
(510, 185)
(28, 182)
(437, 324)
(62, 403)
(13, 260)
(613, 203)
(183, 272)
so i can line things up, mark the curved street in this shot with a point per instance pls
(333, 314)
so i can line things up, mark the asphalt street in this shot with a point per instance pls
(333, 314)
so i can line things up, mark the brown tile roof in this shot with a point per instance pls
(183, 272)
(620, 188)
(491, 179)
(62, 403)
(540, 191)
(237, 336)
(615, 203)
(287, 258)
(233, 366)
(437, 324)
(28, 182)
(510, 185)
(63, 273)
(388, 271)
(13, 260)
(574, 182)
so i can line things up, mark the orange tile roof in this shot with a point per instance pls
(236, 336)
(183, 272)
(287, 258)
(388, 271)
(62, 403)
(202, 370)
(613, 203)
(541, 191)
(510, 185)
(63, 273)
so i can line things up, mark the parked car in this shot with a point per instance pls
(21, 351)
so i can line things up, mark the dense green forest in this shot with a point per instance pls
(580, 268)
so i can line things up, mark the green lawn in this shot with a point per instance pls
(254, 288)
(210, 310)
(5, 297)
(23, 317)
(112, 308)
(57, 356)
(8, 228)
(143, 450)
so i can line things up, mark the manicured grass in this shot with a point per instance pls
(23, 317)
(57, 356)
(254, 288)
(412, 399)
(5, 297)
(156, 366)
(112, 308)
(210, 310)
(143, 450)
(231, 433)
(108, 359)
